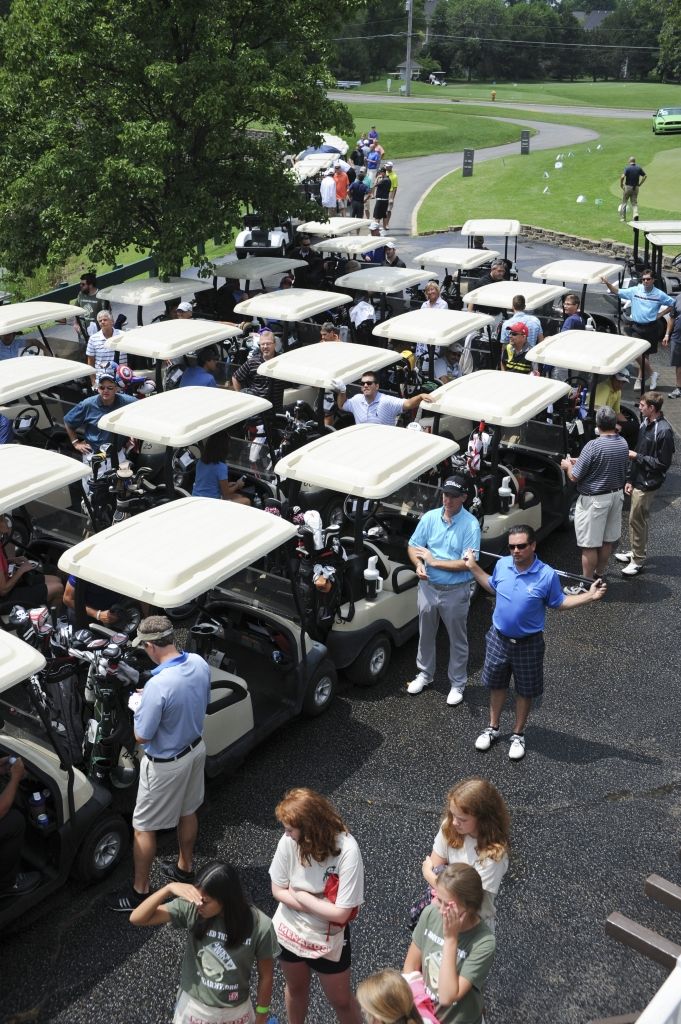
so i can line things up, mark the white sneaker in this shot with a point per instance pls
(633, 569)
(486, 738)
(653, 380)
(637, 384)
(624, 556)
(676, 393)
(419, 683)
(454, 697)
(517, 749)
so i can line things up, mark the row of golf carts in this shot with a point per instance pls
(276, 600)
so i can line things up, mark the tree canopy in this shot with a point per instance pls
(125, 122)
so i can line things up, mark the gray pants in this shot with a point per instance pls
(449, 604)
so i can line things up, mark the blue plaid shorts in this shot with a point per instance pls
(524, 661)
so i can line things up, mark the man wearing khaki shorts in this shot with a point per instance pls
(168, 724)
(600, 474)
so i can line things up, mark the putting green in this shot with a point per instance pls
(664, 174)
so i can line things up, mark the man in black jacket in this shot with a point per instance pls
(647, 471)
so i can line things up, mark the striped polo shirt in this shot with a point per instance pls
(602, 465)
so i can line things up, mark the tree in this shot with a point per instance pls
(374, 41)
(669, 65)
(125, 122)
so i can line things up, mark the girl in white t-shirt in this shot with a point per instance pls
(318, 878)
(475, 831)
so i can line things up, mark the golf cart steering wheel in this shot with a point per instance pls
(24, 422)
(369, 507)
(31, 350)
(578, 383)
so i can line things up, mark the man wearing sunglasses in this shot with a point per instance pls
(648, 307)
(371, 406)
(524, 588)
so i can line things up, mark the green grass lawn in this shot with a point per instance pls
(419, 130)
(518, 186)
(645, 96)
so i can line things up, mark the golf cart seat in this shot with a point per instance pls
(230, 711)
(225, 691)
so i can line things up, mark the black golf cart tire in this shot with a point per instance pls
(321, 689)
(369, 667)
(109, 830)
(332, 513)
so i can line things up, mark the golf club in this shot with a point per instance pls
(559, 572)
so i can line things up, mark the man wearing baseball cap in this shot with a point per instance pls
(184, 311)
(514, 354)
(87, 414)
(436, 550)
(169, 725)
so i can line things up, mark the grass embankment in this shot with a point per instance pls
(644, 96)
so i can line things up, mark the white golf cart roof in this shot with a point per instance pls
(576, 271)
(498, 228)
(646, 226)
(170, 554)
(148, 290)
(312, 164)
(665, 237)
(18, 661)
(384, 280)
(431, 326)
(456, 258)
(319, 364)
(368, 460)
(183, 416)
(335, 227)
(26, 473)
(255, 268)
(291, 304)
(169, 339)
(589, 351)
(25, 375)
(499, 295)
(499, 397)
(353, 245)
(19, 316)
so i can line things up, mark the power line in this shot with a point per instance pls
(511, 42)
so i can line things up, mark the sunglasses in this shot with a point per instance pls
(647, 279)
(518, 547)
(368, 383)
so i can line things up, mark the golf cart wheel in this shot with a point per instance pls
(371, 664)
(332, 513)
(102, 849)
(126, 772)
(320, 690)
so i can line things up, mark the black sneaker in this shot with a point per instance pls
(126, 900)
(25, 882)
(175, 873)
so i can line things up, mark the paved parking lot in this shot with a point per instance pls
(595, 808)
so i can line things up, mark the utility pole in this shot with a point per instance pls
(407, 70)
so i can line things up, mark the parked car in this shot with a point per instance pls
(667, 121)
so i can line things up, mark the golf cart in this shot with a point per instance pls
(335, 227)
(491, 228)
(26, 316)
(257, 239)
(264, 670)
(457, 260)
(657, 241)
(149, 291)
(36, 393)
(379, 469)
(382, 281)
(513, 458)
(291, 308)
(648, 227)
(77, 832)
(539, 300)
(584, 273)
(351, 246)
(254, 268)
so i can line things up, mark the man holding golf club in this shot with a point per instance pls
(524, 588)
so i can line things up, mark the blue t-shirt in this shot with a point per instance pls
(447, 542)
(523, 597)
(14, 349)
(89, 412)
(573, 322)
(6, 432)
(196, 376)
(208, 477)
(174, 704)
(645, 306)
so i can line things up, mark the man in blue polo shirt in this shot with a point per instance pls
(168, 724)
(436, 550)
(648, 307)
(514, 646)
(203, 374)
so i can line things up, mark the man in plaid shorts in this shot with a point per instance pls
(524, 587)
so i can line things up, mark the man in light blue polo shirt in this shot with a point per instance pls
(372, 406)
(169, 725)
(648, 306)
(514, 646)
(436, 550)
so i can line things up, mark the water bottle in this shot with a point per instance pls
(42, 821)
(36, 805)
(373, 582)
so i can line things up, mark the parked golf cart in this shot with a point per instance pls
(293, 309)
(260, 239)
(350, 247)
(148, 291)
(657, 241)
(33, 316)
(539, 300)
(335, 227)
(584, 273)
(79, 834)
(264, 669)
(486, 228)
(640, 259)
(462, 268)
(513, 458)
(253, 268)
(36, 393)
(383, 281)
(389, 477)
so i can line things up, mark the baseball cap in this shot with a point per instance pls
(327, 173)
(518, 329)
(109, 373)
(623, 375)
(186, 307)
(388, 163)
(374, 226)
(455, 486)
(328, 327)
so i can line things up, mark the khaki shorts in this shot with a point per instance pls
(170, 790)
(598, 519)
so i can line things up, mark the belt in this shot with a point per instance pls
(597, 494)
(445, 586)
(175, 757)
(518, 639)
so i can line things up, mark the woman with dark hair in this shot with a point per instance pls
(212, 472)
(318, 878)
(226, 937)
